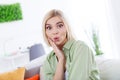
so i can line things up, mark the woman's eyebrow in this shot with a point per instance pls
(47, 24)
(56, 23)
(59, 22)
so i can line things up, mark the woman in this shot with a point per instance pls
(70, 59)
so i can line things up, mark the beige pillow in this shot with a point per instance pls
(17, 74)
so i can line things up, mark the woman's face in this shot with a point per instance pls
(56, 31)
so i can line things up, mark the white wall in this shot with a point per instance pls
(25, 32)
(81, 14)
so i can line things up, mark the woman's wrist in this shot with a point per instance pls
(62, 62)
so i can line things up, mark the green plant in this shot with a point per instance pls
(96, 43)
(10, 12)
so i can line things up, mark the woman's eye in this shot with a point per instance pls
(48, 28)
(60, 25)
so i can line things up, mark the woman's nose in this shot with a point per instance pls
(55, 31)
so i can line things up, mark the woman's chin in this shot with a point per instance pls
(57, 43)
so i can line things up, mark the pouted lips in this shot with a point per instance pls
(56, 39)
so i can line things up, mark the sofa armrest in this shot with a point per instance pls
(109, 68)
(33, 67)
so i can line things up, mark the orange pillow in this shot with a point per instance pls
(35, 77)
(17, 74)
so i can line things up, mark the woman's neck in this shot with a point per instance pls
(61, 45)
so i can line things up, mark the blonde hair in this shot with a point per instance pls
(51, 14)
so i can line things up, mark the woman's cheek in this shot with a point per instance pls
(47, 34)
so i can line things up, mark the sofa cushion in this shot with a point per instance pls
(17, 74)
(36, 51)
(109, 68)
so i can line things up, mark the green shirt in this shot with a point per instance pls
(80, 63)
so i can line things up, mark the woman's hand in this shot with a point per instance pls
(59, 53)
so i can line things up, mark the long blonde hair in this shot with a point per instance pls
(53, 13)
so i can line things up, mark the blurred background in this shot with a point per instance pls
(94, 21)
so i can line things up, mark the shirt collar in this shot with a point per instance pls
(68, 44)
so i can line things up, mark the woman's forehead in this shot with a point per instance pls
(55, 20)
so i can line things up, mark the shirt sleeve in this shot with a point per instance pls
(47, 71)
(93, 69)
(83, 66)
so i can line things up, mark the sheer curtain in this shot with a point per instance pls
(113, 18)
(99, 15)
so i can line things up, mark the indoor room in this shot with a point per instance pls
(22, 44)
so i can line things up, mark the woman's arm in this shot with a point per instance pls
(60, 69)
(59, 74)
(50, 74)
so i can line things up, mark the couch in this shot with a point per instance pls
(27, 62)
(9, 71)
(109, 68)
(33, 67)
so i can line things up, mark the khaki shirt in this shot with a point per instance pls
(80, 63)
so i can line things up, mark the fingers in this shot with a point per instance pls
(55, 48)
(53, 44)
(50, 41)
(59, 53)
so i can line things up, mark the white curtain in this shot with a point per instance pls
(99, 14)
(113, 18)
